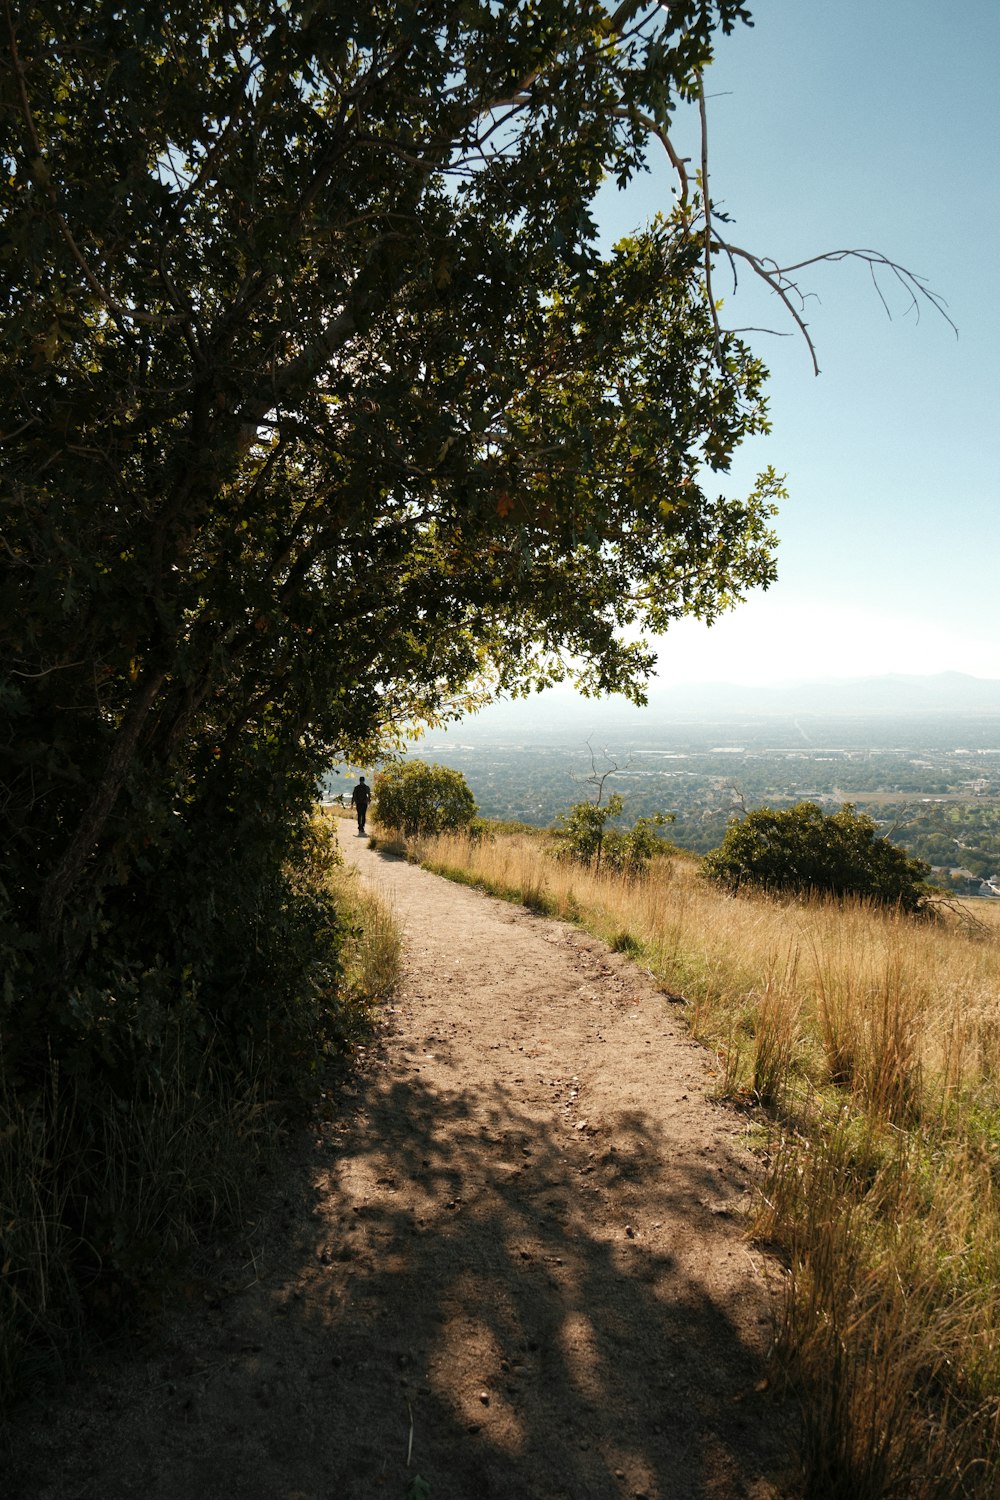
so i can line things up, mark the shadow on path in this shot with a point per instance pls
(476, 1296)
(459, 1294)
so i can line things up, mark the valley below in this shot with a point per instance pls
(931, 781)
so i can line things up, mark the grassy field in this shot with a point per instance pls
(866, 1046)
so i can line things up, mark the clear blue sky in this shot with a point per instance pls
(863, 123)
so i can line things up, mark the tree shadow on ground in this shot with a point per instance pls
(461, 1309)
(475, 1319)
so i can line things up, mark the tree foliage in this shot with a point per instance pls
(802, 849)
(582, 835)
(421, 800)
(321, 412)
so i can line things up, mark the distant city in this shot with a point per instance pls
(921, 755)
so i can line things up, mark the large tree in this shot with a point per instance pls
(321, 407)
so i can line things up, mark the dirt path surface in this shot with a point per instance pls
(512, 1266)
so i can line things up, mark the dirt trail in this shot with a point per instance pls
(516, 1258)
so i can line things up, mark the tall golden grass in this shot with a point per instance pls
(868, 1045)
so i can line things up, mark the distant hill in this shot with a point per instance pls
(563, 713)
(895, 693)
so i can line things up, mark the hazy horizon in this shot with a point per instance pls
(880, 696)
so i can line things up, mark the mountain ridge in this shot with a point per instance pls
(884, 696)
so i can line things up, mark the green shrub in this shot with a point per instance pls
(582, 835)
(802, 849)
(628, 852)
(421, 800)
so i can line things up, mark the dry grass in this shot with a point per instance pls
(39, 1312)
(871, 1042)
(373, 947)
(96, 1224)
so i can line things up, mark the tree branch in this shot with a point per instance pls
(782, 288)
(624, 112)
(41, 175)
(714, 311)
(70, 865)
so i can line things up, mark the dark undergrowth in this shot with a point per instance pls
(115, 1184)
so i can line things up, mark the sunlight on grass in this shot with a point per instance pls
(870, 1043)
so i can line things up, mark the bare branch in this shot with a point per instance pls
(517, 100)
(59, 666)
(914, 285)
(703, 115)
(598, 778)
(974, 925)
(780, 279)
(737, 798)
(778, 333)
(782, 287)
(8, 437)
(623, 112)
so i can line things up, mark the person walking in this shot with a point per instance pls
(360, 798)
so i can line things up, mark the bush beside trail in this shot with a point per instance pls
(582, 835)
(801, 849)
(419, 800)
